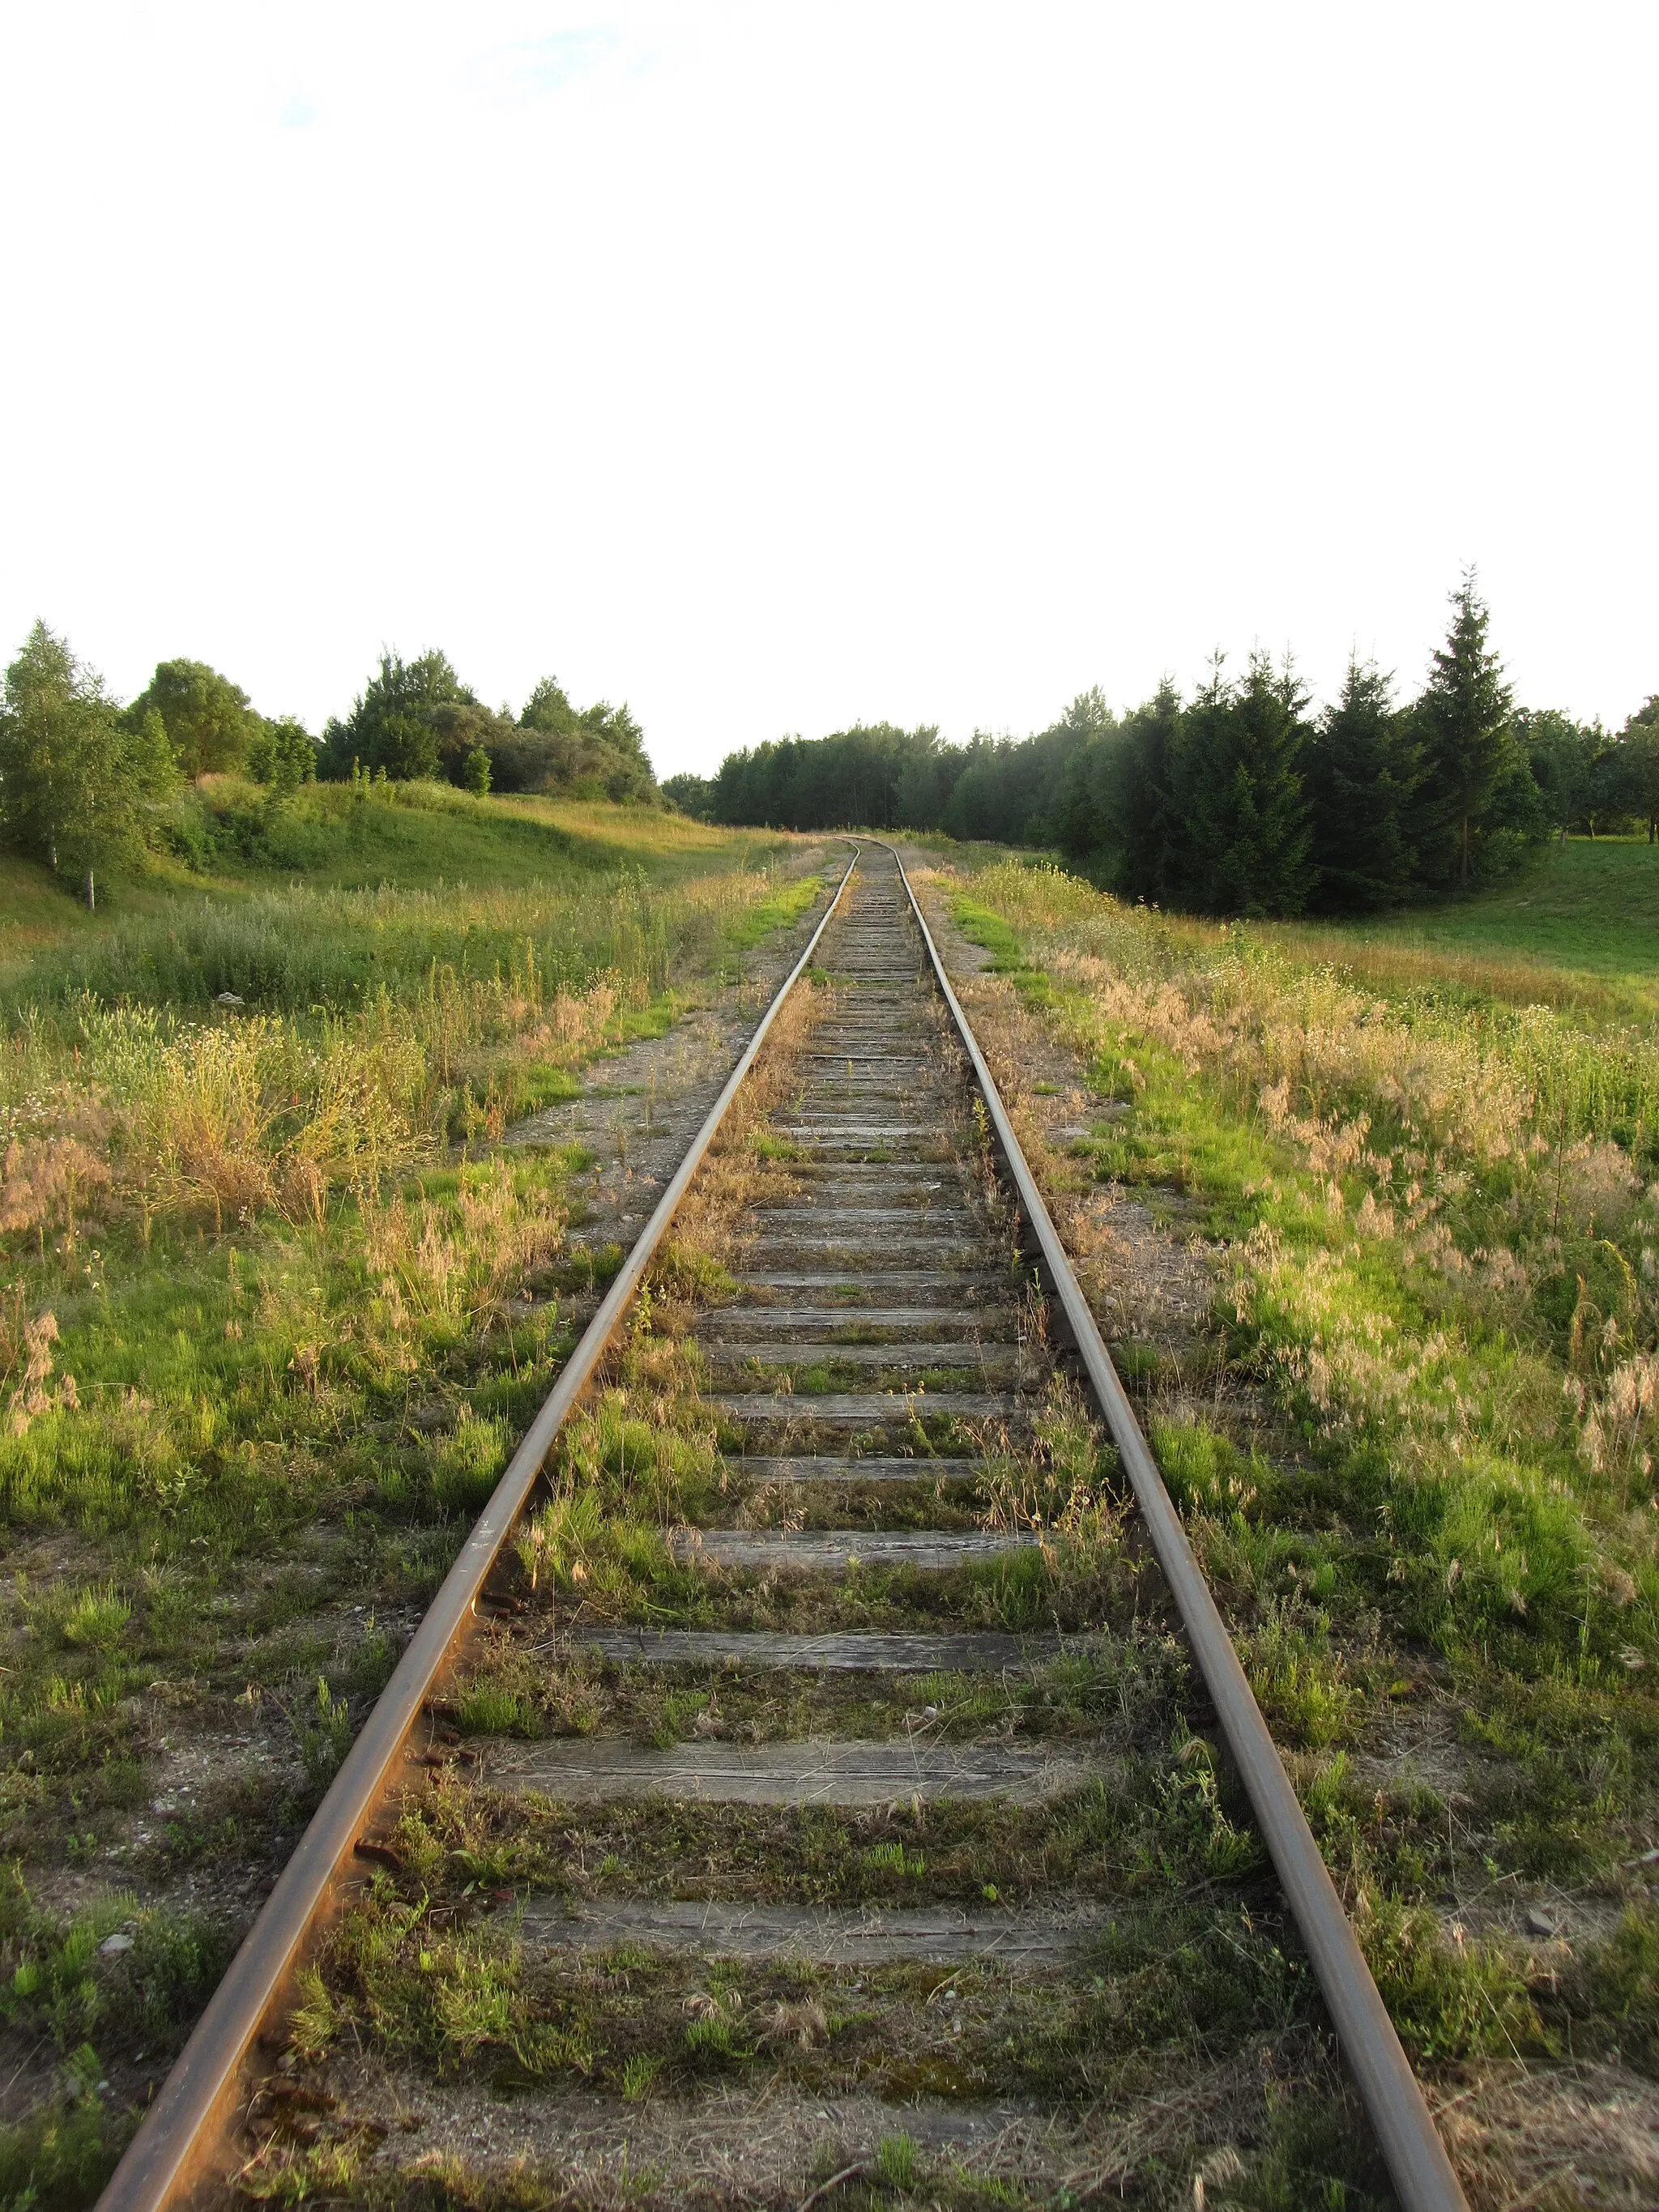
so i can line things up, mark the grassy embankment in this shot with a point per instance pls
(1578, 930)
(263, 1345)
(1419, 1467)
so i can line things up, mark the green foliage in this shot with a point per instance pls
(96, 1618)
(896, 2161)
(592, 752)
(60, 1979)
(78, 782)
(282, 754)
(1247, 827)
(1629, 780)
(396, 722)
(1320, 2156)
(691, 794)
(469, 1462)
(208, 720)
(1362, 776)
(59, 2157)
(1465, 725)
(1235, 803)
(324, 1733)
(1620, 1983)
(415, 719)
(1450, 1998)
(852, 777)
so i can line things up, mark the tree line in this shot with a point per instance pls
(87, 784)
(1239, 799)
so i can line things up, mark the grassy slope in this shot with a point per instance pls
(417, 838)
(1591, 903)
(1579, 928)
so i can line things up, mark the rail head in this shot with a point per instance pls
(1416, 2157)
(173, 2151)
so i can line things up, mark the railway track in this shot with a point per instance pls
(762, 1795)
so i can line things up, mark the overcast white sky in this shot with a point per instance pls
(771, 367)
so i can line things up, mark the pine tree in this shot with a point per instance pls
(1464, 720)
(1363, 768)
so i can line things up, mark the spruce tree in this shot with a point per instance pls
(1465, 720)
(1242, 755)
(1138, 808)
(1363, 768)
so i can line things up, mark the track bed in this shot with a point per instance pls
(824, 1809)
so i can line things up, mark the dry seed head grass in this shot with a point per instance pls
(1364, 1092)
(124, 1107)
(1452, 1083)
(1553, 2138)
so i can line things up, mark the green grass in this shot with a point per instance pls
(1415, 1454)
(397, 888)
(1576, 928)
(1591, 903)
(265, 1339)
(229, 835)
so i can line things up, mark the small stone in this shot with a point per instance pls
(112, 1946)
(229, 998)
(1542, 1923)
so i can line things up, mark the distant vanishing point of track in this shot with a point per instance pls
(902, 1317)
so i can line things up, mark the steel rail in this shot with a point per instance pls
(1416, 2158)
(169, 2155)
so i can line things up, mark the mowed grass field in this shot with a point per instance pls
(266, 1339)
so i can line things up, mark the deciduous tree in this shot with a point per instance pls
(77, 778)
(1634, 761)
(206, 716)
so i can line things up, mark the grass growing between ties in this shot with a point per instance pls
(274, 1314)
(1414, 1446)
